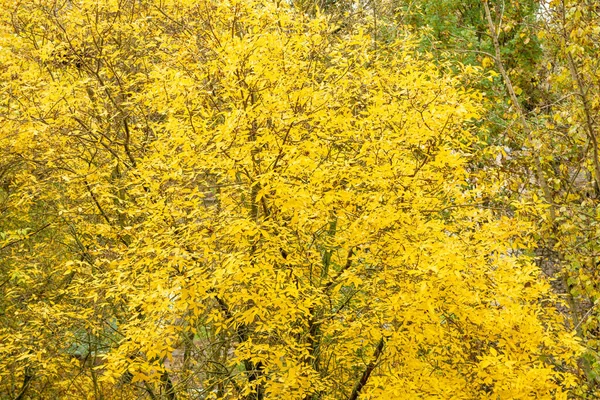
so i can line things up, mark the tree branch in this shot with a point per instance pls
(365, 376)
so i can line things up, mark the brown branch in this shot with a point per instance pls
(27, 236)
(365, 376)
(168, 385)
(26, 383)
(108, 221)
(346, 266)
(126, 143)
(254, 370)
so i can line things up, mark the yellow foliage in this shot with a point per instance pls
(289, 209)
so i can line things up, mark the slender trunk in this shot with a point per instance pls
(585, 103)
(28, 376)
(517, 105)
(368, 371)
(169, 387)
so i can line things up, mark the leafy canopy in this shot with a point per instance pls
(290, 209)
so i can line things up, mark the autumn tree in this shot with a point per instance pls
(239, 200)
(569, 142)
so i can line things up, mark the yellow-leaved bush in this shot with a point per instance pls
(228, 199)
